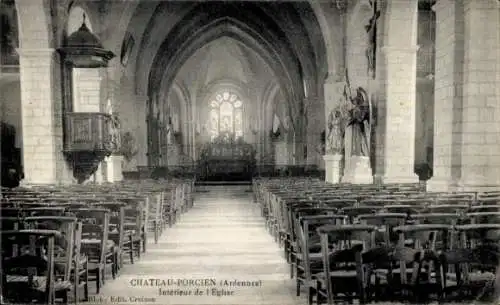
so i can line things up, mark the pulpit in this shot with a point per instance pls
(225, 161)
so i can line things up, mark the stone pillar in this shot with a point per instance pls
(448, 96)
(41, 110)
(141, 130)
(114, 169)
(315, 119)
(400, 54)
(86, 90)
(480, 153)
(281, 154)
(87, 98)
(333, 168)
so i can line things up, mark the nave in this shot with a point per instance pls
(221, 237)
(169, 242)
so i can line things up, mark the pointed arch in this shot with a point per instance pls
(199, 28)
(34, 33)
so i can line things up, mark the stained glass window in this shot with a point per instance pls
(226, 116)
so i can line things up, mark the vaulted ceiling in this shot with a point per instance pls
(200, 42)
(221, 61)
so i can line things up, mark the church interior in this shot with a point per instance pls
(250, 152)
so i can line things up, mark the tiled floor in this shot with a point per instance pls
(221, 239)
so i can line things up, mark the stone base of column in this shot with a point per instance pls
(99, 177)
(332, 168)
(437, 184)
(403, 175)
(477, 184)
(114, 168)
(358, 171)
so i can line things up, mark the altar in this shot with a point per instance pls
(226, 161)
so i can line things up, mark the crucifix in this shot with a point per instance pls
(371, 30)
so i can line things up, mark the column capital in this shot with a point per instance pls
(481, 5)
(440, 5)
(400, 49)
(35, 53)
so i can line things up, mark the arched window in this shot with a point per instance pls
(226, 116)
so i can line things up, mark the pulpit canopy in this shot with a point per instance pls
(84, 50)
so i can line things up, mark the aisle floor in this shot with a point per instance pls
(215, 250)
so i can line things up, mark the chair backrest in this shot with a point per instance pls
(23, 274)
(385, 224)
(65, 242)
(95, 228)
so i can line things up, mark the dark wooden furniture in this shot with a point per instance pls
(227, 161)
(87, 141)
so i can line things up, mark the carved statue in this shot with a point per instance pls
(359, 121)
(114, 128)
(358, 129)
(335, 131)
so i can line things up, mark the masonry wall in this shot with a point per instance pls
(132, 111)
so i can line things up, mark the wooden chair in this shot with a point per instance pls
(28, 276)
(69, 265)
(95, 245)
(308, 260)
(417, 243)
(155, 219)
(475, 263)
(342, 248)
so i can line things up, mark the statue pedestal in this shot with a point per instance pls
(358, 171)
(332, 168)
(114, 170)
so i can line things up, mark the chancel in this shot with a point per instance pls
(250, 152)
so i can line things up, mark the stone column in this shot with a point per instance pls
(281, 153)
(448, 96)
(480, 153)
(400, 54)
(86, 90)
(141, 130)
(87, 98)
(315, 111)
(41, 110)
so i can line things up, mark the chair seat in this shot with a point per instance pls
(39, 282)
(395, 270)
(312, 256)
(337, 274)
(130, 232)
(94, 241)
(473, 276)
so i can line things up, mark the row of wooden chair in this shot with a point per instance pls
(355, 242)
(55, 240)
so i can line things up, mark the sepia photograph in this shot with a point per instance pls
(250, 152)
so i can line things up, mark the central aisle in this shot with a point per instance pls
(220, 241)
